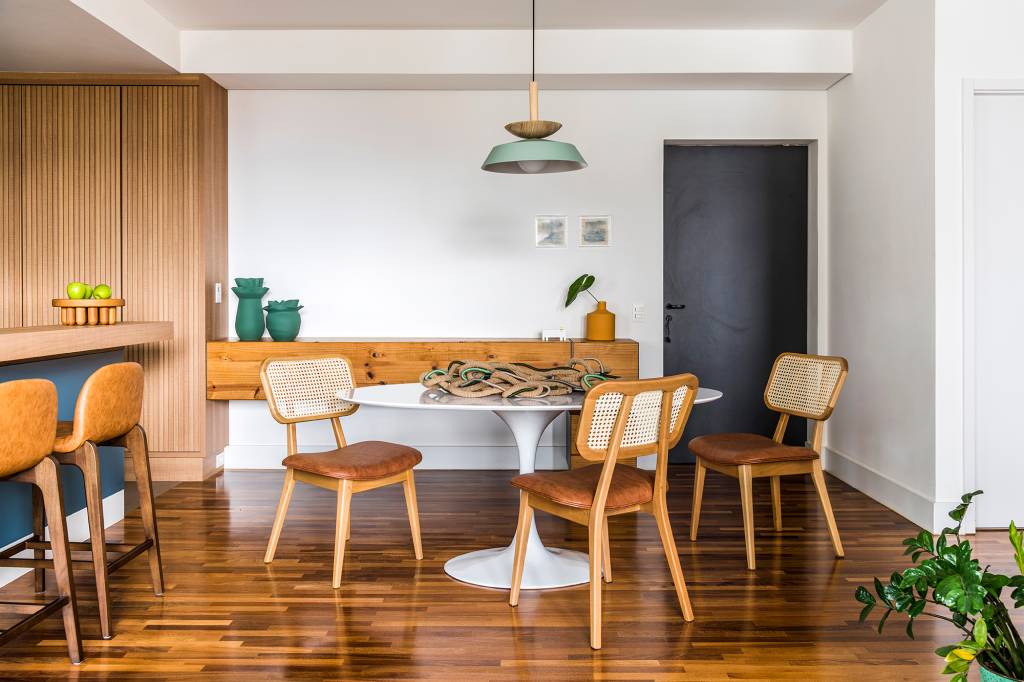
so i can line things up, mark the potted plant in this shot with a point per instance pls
(944, 574)
(600, 322)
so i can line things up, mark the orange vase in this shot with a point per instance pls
(601, 324)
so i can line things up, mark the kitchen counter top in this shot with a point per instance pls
(23, 344)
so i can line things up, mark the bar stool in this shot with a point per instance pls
(107, 413)
(28, 421)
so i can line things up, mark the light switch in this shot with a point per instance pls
(639, 312)
(217, 296)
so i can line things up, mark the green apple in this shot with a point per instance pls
(76, 290)
(101, 291)
(88, 291)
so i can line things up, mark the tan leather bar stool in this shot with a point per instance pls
(107, 413)
(28, 422)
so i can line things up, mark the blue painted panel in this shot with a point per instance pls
(68, 374)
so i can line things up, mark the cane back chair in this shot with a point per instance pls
(620, 419)
(802, 386)
(305, 389)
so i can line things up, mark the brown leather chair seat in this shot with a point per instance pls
(733, 449)
(364, 461)
(575, 488)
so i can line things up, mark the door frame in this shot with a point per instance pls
(817, 232)
(972, 89)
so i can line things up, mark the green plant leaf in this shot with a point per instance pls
(582, 283)
(944, 650)
(863, 596)
(917, 609)
(910, 628)
(881, 622)
(864, 612)
(980, 632)
(1017, 540)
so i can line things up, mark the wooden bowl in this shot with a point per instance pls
(88, 311)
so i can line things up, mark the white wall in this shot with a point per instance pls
(975, 39)
(371, 207)
(881, 301)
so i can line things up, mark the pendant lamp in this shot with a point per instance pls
(533, 153)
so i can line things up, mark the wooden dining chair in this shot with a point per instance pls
(107, 413)
(305, 389)
(28, 423)
(620, 419)
(803, 386)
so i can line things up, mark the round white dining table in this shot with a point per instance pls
(527, 418)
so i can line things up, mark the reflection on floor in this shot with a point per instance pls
(131, 493)
(227, 616)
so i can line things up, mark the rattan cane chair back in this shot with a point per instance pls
(305, 389)
(28, 423)
(805, 385)
(671, 397)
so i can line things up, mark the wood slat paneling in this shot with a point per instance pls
(163, 272)
(233, 367)
(10, 205)
(213, 209)
(71, 207)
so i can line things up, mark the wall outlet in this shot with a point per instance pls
(639, 312)
(218, 296)
(220, 457)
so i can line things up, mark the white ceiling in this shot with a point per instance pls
(468, 14)
(55, 35)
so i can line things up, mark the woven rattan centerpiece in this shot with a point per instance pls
(480, 379)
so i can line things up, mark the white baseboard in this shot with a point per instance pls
(78, 531)
(915, 506)
(549, 457)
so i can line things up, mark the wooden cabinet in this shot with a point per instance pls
(123, 180)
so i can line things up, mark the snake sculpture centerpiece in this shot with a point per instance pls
(480, 379)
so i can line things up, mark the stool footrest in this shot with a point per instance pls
(40, 611)
(126, 554)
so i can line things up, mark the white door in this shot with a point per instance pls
(999, 307)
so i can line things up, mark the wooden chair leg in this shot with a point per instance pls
(39, 535)
(341, 522)
(409, 488)
(826, 506)
(87, 459)
(595, 534)
(47, 478)
(606, 553)
(777, 502)
(698, 496)
(282, 511)
(522, 538)
(747, 500)
(668, 543)
(138, 447)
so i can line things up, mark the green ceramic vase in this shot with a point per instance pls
(249, 323)
(283, 320)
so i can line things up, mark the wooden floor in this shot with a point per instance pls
(226, 616)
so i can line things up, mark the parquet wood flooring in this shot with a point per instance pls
(227, 616)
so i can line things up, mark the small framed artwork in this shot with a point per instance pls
(551, 231)
(595, 230)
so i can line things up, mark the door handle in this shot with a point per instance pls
(674, 306)
(668, 328)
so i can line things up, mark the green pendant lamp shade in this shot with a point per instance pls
(534, 156)
(533, 153)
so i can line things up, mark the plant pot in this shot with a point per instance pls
(249, 324)
(283, 325)
(601, 324)
(989, 676)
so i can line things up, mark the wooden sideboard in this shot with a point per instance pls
(233, 367)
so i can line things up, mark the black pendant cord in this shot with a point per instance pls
(533, 40)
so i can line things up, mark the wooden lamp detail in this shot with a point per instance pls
(88, 311)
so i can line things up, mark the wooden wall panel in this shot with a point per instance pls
(10, 205)
(213, 208)
(162, 250)
(71, 207)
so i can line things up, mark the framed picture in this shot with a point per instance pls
(551, 231)
(595, 230)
